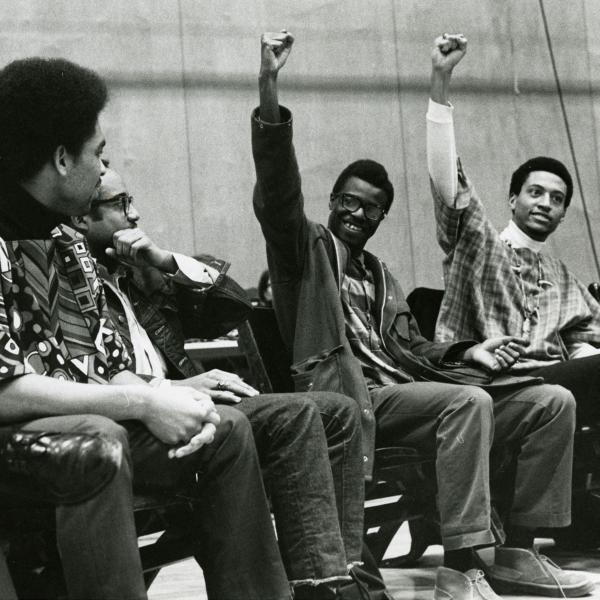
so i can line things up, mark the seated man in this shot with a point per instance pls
(505, 283)
(158, 298)
(59, 350)
(358, 335)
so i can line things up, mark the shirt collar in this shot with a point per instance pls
(22, 216)
(516, 238)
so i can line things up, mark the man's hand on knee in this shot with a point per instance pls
(177, 415)
(221, 386)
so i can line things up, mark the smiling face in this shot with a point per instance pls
(354, 228)
(539, 207)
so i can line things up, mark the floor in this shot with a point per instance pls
(183, 581)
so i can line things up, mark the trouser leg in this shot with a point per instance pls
(236, 545)
(456, 423)
(96, 539)
(538, 422)
(292, 448)
(581, 376)
(341, 420)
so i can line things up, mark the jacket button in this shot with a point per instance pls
(122, 319)
(366, 411)
(365, 459)
(309, 386)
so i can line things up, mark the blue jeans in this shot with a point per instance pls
(309, 446)
(236, 548)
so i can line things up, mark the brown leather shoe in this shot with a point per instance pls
(454, 585)
(521, 571)
(63, 468)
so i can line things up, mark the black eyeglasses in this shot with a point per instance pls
(124, 198)
(353, 203)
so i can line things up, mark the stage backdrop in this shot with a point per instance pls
(182, 76)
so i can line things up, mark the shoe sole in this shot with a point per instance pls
(503, 586)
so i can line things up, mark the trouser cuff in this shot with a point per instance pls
(485, 537)
(535, 520)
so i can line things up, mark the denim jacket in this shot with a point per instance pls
(171, 312)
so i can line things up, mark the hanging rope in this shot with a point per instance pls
(186, 116)
(569, 137)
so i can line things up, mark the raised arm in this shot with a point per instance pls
(275, 49)
(448, 50)
(278, 201)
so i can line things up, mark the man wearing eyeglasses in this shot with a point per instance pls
(157, 298)
(344, 315)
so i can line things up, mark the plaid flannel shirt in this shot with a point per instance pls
(358, 297)
(485, 296)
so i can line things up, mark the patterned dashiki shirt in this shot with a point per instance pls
(492, 288)
(53, 315)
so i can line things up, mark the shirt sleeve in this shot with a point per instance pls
(12, 358)
(581, 335)
(441, 152)
(195, 273)
(582, 349)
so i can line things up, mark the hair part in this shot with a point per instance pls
(45, 103)
(370, 171)
(541, 163)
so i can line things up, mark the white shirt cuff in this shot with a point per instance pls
(193, 272)
(440, 113)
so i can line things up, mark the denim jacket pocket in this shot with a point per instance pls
(319, 372)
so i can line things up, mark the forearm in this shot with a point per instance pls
(439, 86)
(269, 98)
(441, 151)
(31, 396)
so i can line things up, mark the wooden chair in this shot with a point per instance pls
(399, 471)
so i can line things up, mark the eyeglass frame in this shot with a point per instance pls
(125, 198)
(342, 195)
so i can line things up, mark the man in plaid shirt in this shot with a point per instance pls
(505, 283)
